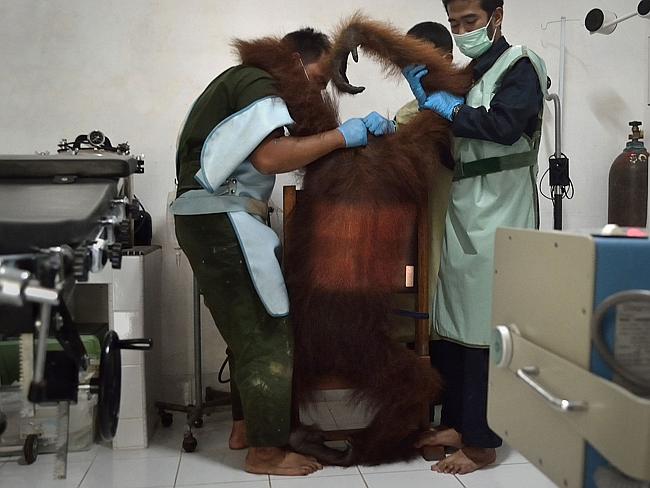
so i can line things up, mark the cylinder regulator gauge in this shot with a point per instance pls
(96, 139)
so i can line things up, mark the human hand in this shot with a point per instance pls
(354, 132)
(378, 125)
(443, 103)
(414, 74)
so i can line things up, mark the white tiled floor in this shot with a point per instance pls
(213, 465)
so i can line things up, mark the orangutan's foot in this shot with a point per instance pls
(443, 437)
(466, 460)
(273, 460)
(237, 439)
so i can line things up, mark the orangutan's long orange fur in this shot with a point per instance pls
(352, 231)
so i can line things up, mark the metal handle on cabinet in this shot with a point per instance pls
(136, 344)
(561, 404)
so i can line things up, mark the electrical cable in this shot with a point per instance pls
(566, 191)
(639, 384)
(222, 369)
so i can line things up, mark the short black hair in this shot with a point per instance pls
(309, 43)
(433, 32)
(488, 5)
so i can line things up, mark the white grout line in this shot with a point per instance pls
(178, 468)
(90, 464)
(363, 477)
(217, 483)
(460, 481)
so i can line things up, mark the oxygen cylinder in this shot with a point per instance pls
(628, 183)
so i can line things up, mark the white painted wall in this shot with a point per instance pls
(132, 68)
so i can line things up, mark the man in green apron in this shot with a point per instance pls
(497, 131)
(232, 144)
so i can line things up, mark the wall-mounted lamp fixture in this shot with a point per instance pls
(600, 21)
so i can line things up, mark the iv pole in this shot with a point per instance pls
(558, 163)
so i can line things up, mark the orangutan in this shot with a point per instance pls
(349, 234)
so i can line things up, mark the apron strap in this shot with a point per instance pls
(495, 165)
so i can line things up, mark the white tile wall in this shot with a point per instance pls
(128, 295)
(133, 395)
(133, 316)
(131, 434)
(130, 325)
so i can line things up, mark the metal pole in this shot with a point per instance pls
(556, 192)
(43, 333)
(198, 369)
(557, 210)
(618, 21)
(560, 91)
(62, 434)
(558, 122)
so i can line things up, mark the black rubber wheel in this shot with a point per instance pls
(110, 386)
(198, 423)
(189, 443)
(30, 449)
(166, 418)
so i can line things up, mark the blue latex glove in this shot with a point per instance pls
(355, 133)
(413, 74)
(378, 125)
(443, 103)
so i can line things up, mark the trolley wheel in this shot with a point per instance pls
(189, 443)
(166, 418)
(30, 448)
(198, 423)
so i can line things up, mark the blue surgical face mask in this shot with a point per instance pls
(475, 43)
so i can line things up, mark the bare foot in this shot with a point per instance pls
(445, 437)
(466, 460)
(237, 439)
(273, 460)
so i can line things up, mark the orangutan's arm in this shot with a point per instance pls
(283, 154)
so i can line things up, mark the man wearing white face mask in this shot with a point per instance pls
(497, 131)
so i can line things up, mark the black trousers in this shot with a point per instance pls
(464, 402)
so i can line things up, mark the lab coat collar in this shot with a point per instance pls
(487, 60)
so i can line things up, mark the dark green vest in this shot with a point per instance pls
(231, 91)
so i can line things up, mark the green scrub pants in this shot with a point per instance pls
(261, 346)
